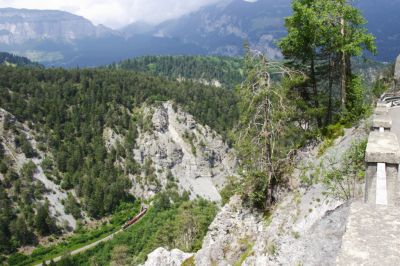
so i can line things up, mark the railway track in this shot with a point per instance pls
(128, 224)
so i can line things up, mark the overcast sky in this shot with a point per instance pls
(116, 13)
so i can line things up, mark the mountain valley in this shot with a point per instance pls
(236, 134)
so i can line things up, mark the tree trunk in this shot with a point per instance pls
(330, 86)
(268, 154)
(315, 89)
(343, 70)
(349, 73)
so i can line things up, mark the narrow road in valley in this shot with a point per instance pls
(89, 246)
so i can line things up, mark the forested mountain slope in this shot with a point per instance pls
(15, 60)
(216, 70)
(76, 144)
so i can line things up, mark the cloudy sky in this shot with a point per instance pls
(116, 13)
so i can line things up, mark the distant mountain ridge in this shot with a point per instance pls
(20, 25)
(223, 28)
(57, 38)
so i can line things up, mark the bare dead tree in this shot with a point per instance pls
(263, 126)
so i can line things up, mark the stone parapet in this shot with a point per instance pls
(384, 121)
(381, 104)
(372, 236)
(382, 147)
(381, 110)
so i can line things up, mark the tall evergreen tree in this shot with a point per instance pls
(322, 37)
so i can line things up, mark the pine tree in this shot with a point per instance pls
(323, 35)
(43, 221)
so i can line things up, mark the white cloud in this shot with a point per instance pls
(116, 13)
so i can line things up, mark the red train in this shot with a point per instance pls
(135, 219)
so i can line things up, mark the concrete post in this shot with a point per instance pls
(381, 104)
(381, 110)
(381, 121)
(382, 161)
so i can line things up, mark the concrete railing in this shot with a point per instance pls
(382, 161)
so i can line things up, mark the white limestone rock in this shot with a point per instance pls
(194, 154)
(163, 257)
(305, 228)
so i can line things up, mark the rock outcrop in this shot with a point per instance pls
(180, 150)
(163, 257)
(305, 228)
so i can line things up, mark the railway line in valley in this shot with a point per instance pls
(128, 224)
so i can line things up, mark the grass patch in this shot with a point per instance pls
(272, 249)
(330, 133)
(247, 253)
(189, 262)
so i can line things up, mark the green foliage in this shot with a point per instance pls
(268, 130)
(189, 262)
(28, 170)
(81, 237)
(326, 144)
(173, 222)
(44, 223)
(25, 145)
(227, 70)
(70, 109)
(21, 232)
(255, 189)
(347, 173)
(17, 259)
(322, 37)
(356, 108)
(231, 188)
(14, 60)
(248, 250)
(330, 134)
(379, 88)
(72, 206)
(333, 131)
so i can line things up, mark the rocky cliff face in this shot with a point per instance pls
(21, 25)
(181, 151)
(174, 150)
(305, 228)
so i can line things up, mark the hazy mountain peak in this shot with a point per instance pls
(20, 25)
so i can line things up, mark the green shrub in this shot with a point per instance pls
(333, 131)
(231, 188)
(341, 181)
(254, 189)
(189, 262)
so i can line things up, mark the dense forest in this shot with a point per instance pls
(14, 60)
(68, 110)
(226, 70)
